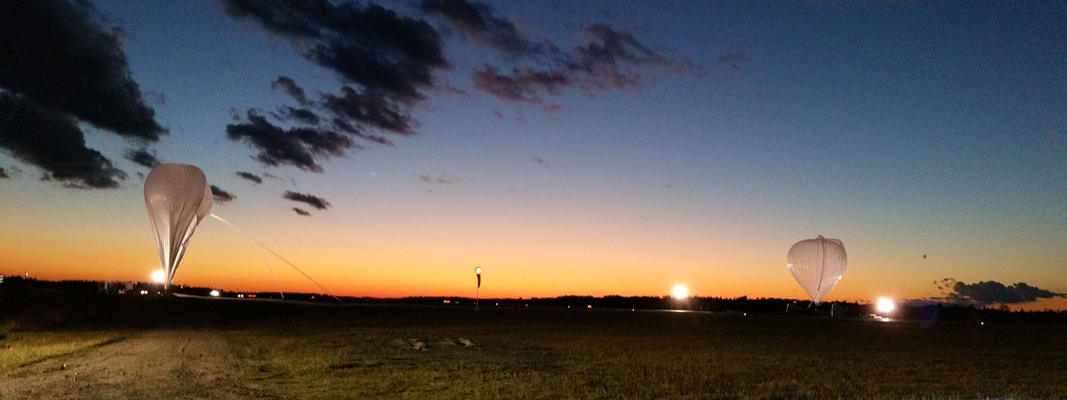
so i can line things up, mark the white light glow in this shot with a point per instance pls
(214, 293)
(158, 276)
(681, 292)
(885, 305)
(478, 270)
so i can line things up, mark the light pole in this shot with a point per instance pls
(478, 292)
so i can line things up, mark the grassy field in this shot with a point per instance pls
(379, 352)
(24, 349)
(544, 354)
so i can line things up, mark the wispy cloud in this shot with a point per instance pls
(735, 59)
(301, 211)
(143, 157)
(477, 22)
(287, 85)
(440, 180)
(388, 62)
(300, 115)
(250, 176)
(298, 147)
(314, 201)
(611, 59)
(222, 196)
(374, 47)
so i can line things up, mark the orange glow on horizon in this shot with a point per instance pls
(549, 256)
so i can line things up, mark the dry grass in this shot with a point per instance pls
(22, 349)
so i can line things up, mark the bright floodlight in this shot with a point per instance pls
(158, 276)
(214, 293)
(681, 292)
(478, 270)
(885, 305)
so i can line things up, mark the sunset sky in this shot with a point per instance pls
(587, 148)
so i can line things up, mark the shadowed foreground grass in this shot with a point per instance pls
(25, 349)
(553, 354)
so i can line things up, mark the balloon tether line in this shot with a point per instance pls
(258, 251)
(279, 257)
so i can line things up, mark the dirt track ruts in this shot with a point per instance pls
(161, 364)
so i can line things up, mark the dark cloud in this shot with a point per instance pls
(344, 116)
(287, 85)
(613, 59)
(314, 201)
(388, 62)
(57, 56)
(301, 115)
(734, 59)
(539, 160)
(992, 292)
(440, 180)
(272, 176)
(521, 85)
(295, 146)
(222, 196)
(54, 143)
(378, 139)
(365, 44)
(3, 174)
(301, 211)
(143, 157)
(291, 180)
(250, 176)
(609, 51)
(498, 114)
(370, 108)
(478, 24)
(60, 67)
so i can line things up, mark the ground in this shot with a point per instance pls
(153, 364)
(203, 349)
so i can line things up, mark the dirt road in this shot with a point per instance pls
(164, 364)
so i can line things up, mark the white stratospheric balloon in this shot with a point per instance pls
(817, 264)
(178, 199)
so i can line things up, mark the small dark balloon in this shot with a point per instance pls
(924, 256)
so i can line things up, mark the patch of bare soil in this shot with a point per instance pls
(165, 364)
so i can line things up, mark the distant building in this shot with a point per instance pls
(116, 287)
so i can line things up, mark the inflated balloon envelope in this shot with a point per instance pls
(817, 264)
(178, 199)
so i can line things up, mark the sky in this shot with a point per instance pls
(590, 148)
